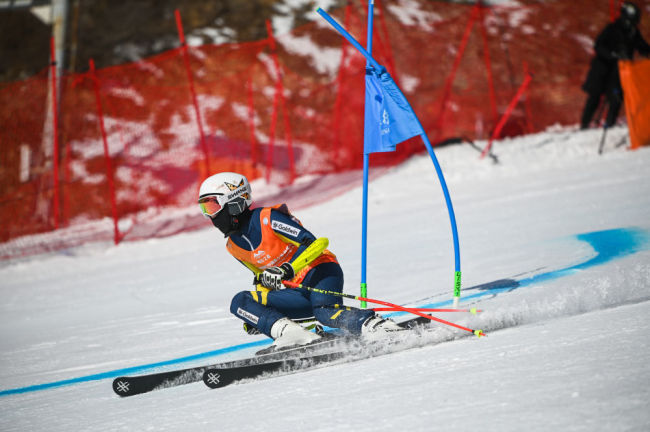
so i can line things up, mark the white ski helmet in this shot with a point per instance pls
(224, 190)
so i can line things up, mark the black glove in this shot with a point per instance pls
(272, 277)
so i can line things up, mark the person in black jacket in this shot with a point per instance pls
(618, 41)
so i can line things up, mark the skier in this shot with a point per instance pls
(618, 41)
(275, 246)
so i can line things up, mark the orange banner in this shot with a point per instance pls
(635, 77)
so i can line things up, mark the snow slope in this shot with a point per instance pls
(555, 248)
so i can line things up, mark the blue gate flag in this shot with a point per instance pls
(389, 119)
(378, 99)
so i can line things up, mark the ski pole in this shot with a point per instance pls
(290, 284)
(473, 311)
(602, 140)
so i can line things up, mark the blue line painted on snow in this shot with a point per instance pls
(608, 245)
(132, 370)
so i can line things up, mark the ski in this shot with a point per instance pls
(134, 385)
(223, 376)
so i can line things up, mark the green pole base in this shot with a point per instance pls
(456, 289)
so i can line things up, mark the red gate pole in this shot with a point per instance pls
(487, 59)
(190, 80)
(452, 75)
(287, 137)
(274, 120)
(274, 114)
(612, 10)
(278, 98)
(614, 7)
(389, 50)
(336, 114)
(251, 121)
(506, 114)
(107, 156)
(55, 131)
(529, 115)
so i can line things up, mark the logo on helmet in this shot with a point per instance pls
(243, 192)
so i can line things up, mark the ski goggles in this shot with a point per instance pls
(209, 206)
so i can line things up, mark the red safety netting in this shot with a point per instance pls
(25, 158)
(131, 143)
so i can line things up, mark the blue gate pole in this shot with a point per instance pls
(366, 169)
(452, 216)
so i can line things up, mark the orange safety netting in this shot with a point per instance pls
(131, 144)
(635, 78)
